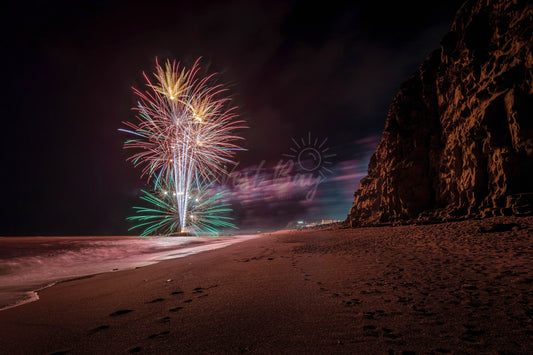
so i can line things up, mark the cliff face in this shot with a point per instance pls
(458, 139)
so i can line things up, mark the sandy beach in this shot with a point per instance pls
(462, 287)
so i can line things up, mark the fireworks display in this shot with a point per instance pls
(183, 140)
(206, 214)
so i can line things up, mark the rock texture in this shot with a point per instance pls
(458, 139)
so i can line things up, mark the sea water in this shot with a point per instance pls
(28, 264)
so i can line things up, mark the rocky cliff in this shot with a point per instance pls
(458, 139)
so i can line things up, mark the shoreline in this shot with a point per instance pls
(461, 287)
(17, 295)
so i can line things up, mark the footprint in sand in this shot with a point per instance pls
(134, 350)
(175, 309)
(369, 315)
(391, 336)
(156, 300)
(472, 334)
(177, 293)
(159, 335)
(120, 312)
(372, 333)
(97, 329)
(60, 352)
(187, 301)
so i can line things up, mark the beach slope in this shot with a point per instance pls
(444, 288)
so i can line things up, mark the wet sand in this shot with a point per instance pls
(28, 264)
(462, 287)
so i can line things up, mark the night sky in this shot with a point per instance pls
(330, 70)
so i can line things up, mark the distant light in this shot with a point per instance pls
(300, 222)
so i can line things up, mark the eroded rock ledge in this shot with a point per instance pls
(458, 139)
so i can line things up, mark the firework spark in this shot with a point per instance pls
(205, 215)
(184, 132)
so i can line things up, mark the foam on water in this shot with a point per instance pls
(28, 264)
